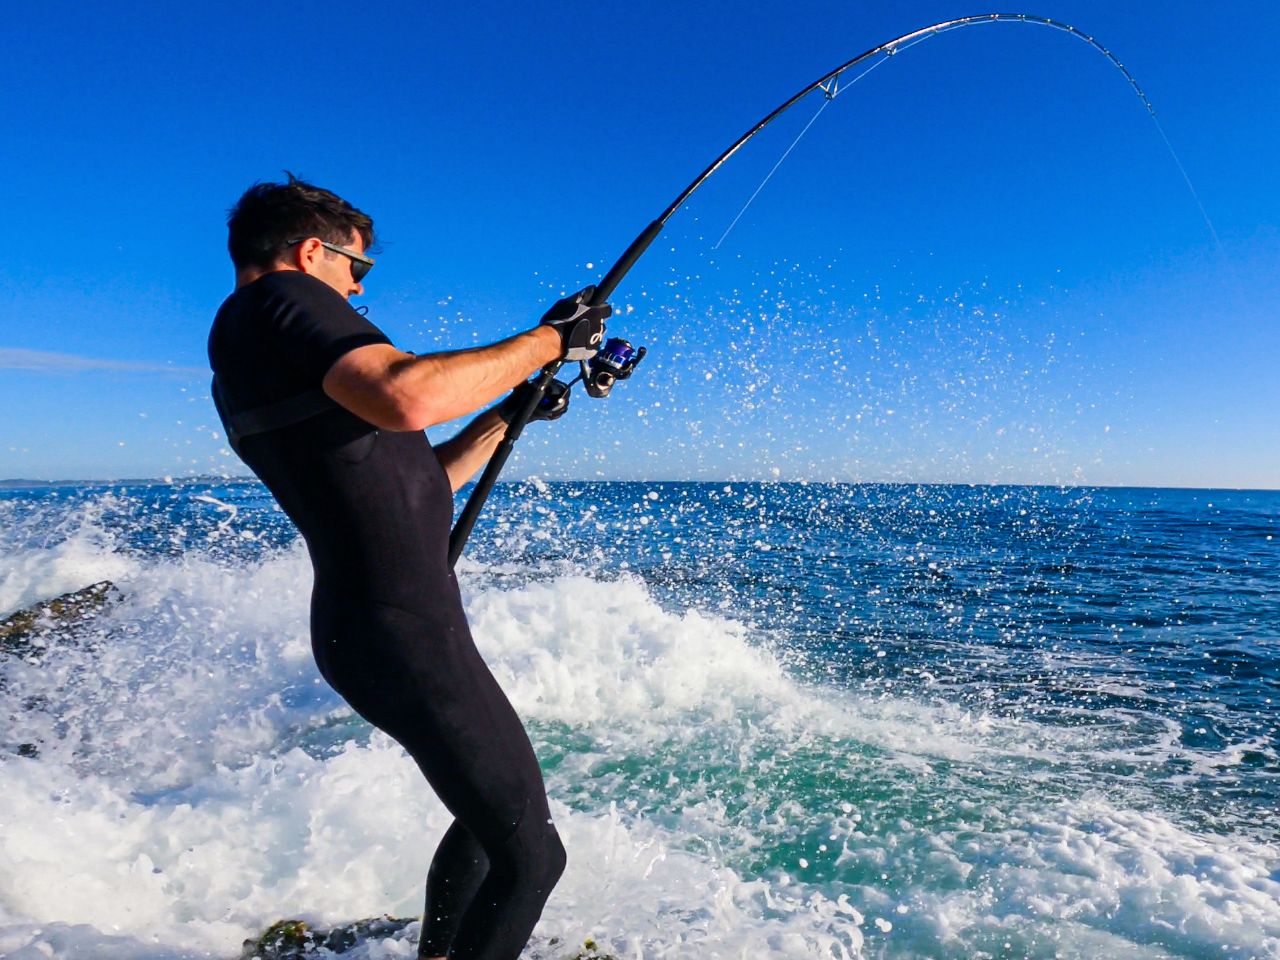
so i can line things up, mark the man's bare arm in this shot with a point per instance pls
(470, 449)
(395, 390)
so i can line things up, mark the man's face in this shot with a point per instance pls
(335, 269)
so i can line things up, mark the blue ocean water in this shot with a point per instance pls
(856, 720)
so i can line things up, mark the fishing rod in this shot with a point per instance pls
(605, 368)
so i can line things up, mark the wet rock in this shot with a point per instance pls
(590, 951)
(554, 949)
(20, 632)
(296, 939)
(27, 635)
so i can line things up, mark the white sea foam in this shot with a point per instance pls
(72, 554)
(199, 665)
(170, 813)
(586, 651)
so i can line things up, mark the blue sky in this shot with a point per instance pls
(980, 264)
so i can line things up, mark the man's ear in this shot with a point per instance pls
(302, 256)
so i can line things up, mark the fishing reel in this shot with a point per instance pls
(615, 361)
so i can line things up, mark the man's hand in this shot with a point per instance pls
(554, 402)
(580, 325)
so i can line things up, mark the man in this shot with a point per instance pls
(330, 415)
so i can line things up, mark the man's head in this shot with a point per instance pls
(297, 226)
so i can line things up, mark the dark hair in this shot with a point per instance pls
(269, 215)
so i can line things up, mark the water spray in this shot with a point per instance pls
(608, 369)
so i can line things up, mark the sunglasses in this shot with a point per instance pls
(360, 264)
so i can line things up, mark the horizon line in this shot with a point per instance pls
(16, 483)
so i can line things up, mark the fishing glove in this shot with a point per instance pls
(554, 402)
(579, 323)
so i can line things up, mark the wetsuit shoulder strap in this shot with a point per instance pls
(271, 416)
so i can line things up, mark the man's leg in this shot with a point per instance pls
(457, 870)
(489, 778)
(523, 869)
(420, 678)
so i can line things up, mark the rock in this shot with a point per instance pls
(67, 612)
(66, 620)
(591, 952)
(296, 939)
(553, 950)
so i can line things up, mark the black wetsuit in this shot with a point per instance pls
(387, 623)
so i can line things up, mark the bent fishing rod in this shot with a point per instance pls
(619, 364)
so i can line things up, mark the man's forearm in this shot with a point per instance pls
(398, 391)
(463, 455)
(458, 383)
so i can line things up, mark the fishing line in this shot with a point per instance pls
(830, 86)
(826, 100)
(1187, 179)
(830, 90)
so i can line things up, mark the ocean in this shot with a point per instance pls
(776, 720)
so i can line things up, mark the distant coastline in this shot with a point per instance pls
(27, 484)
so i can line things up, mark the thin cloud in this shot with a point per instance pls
(44, 361)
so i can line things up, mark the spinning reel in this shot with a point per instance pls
(615, 361)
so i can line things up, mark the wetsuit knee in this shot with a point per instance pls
(533, 857)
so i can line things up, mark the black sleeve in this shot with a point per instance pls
(313, 324)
